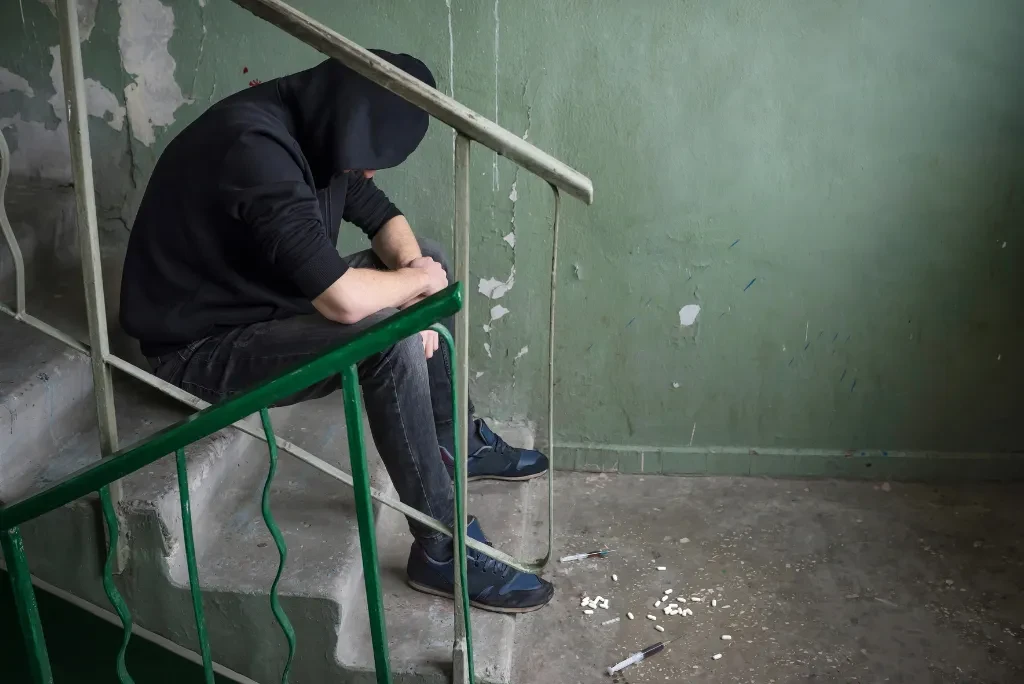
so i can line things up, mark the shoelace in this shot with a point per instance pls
(486, 562)
(501, 446)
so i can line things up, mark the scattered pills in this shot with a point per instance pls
(726, 637)
(652, 618)
(662, 567)
(615, 578)
(717, 656)
(714, 603)
(659, 628)
(629, 615)
(588, 612)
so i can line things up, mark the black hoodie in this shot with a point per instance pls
(239, 222)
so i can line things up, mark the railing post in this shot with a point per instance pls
(460, 652)
(364, 515)
(25, 604)
(89, 241)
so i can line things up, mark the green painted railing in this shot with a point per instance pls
(173, 440)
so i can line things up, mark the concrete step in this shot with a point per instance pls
(45, 402)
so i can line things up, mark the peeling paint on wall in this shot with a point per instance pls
(100, 101)
(510, 239)
(495, 289)
(522, 353)
(86, 16)
(154, 96)
(688, 314)
(12, 82)
(498, 312)
(43, 152)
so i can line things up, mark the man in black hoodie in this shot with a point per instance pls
(232, 277)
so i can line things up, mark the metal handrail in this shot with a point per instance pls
(442, 107)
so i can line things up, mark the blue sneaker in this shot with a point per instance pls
(493, 585)
(491, 458)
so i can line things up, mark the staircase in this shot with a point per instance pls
(47, 418)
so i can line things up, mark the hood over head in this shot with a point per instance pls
(344, 121)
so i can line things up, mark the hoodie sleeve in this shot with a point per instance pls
(367, 206)
(263, 187)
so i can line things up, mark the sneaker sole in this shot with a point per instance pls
(491, 609)
(506, 478)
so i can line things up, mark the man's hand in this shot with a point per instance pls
(437, 279)
(431, 342)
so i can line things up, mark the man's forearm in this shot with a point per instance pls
(395, 244)
(361, 292)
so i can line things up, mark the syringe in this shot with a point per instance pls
(640, 656)
(581, 556)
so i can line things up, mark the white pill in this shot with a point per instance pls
(717, 656)
(629, 615)
(599, 599)
(687, 611)
(652, 618)
(584, 601)
(588, 612)
(667, 592)
(604, 604)
(662, 567)
(659, 628)
(714, 603)
(695, 599)
(615, 578)
(657, 603)
(726, 637)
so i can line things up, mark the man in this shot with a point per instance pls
(232, 277)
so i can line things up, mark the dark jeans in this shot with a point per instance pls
(408, 398)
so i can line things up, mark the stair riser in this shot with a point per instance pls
(40, 415)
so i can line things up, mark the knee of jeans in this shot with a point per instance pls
(435, 251)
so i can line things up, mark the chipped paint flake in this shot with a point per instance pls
(514, 194)
(688, 315)
(486, 328)
(510, 239)
(497, 312)
(487, 348)
(495, 289)
(522, 352)
(477, 375)
(154, 96)
(12, 82)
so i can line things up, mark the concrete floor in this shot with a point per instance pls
(816, 581)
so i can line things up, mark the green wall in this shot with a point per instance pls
(839, 186)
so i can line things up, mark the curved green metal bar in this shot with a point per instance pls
(282, 549)
(113, 595)
(460, 504)
(193, 570)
